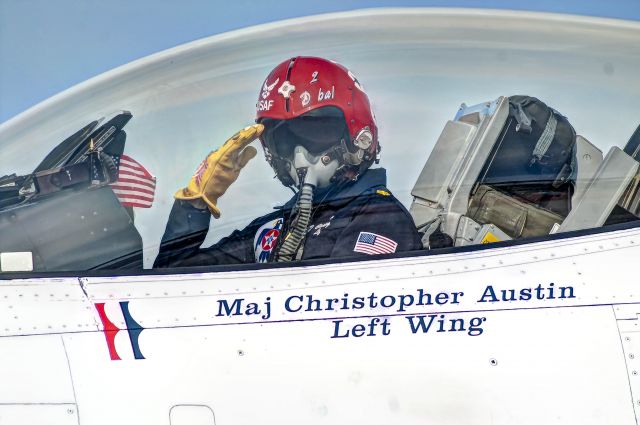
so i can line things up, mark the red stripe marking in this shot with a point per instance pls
(110, 331)
(151, 184)
(121, 190)
(386, 246)
(134, 170)
(137, 197)
(137, 171)
(369, 249)
(135, 174)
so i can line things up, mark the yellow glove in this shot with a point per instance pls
(219, 169)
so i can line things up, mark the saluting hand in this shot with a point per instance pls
(220, 169)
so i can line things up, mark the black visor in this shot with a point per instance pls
(317, 131)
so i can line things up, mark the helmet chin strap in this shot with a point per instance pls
(310, 172)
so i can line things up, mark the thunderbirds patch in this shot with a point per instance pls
(266, 239)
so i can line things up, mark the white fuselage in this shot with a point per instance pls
(405, 341)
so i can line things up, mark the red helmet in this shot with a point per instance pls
(324, 99)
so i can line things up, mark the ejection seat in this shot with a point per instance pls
(451, 195)
(612, 196)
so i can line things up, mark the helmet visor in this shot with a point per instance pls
(317, 131)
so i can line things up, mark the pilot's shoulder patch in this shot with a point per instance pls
(266, 238)
(382, 192)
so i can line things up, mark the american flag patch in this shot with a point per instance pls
(135, 186)
(371, 243)
(200, 171)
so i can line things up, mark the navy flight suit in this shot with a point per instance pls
(363, 211)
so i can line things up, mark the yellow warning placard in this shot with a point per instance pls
(489, 238)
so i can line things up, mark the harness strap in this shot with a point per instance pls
(545, 139)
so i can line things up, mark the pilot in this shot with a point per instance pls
(319, 135)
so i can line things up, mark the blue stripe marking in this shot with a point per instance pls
(133, 328)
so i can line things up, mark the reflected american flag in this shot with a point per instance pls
(135, 186)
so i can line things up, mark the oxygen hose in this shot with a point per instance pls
(298, 232)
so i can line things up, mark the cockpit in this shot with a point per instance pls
(87, 182)
(508, 169)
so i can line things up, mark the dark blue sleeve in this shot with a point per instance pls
(187, 228)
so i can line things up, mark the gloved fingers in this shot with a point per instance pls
(244, 137)
(246, 155)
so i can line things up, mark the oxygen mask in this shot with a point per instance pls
(314, 170)
(306, 149)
